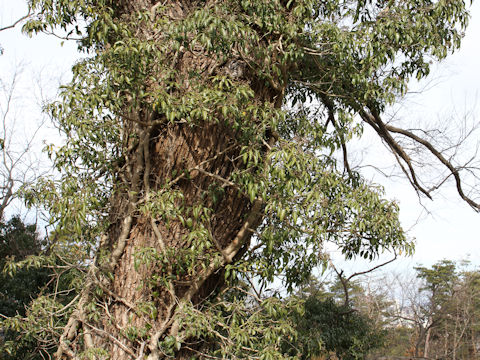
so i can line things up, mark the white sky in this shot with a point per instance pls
(451, 230)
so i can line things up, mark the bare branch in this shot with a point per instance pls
(17, 21)
(373, 268)
(376, 123)
(345, 280)
(442, 159)
(113, 338)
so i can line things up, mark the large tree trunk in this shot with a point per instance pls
(180, 158)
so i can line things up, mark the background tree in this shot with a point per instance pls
(327, 326)
(433, 315)
(450, 300)
(17, 242)
(38, 285)
(19, 151)
(191, 160)
(471, 312)
(439, 287)
(29, 268)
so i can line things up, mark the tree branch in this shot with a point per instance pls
(442, 159)
(331, 118)
(16, 22)
(374, 120)
(374, 268)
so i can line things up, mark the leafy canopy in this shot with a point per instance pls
(340, 56)
(334, 62)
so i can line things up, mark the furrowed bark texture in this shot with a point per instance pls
(160, 155)
(175, 148)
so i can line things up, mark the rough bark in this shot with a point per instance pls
(189, 158)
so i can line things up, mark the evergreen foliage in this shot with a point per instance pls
(257, 99)
(17, 241)
(328, 327)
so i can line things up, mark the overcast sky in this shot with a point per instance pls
(449, 230)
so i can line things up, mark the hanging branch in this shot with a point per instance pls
(385, 132)
(331, 118)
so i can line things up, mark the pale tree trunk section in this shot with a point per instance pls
(427, 342)
(473, 345)
(209, 151)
